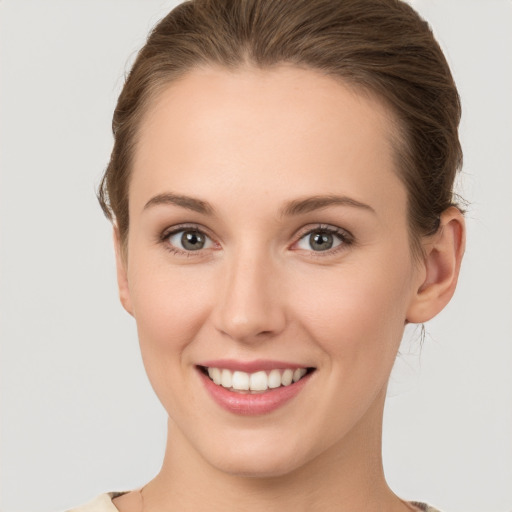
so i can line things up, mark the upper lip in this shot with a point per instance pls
(251, 366)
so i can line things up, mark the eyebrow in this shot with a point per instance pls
(190, 203)
(295, 207)
(309, 204)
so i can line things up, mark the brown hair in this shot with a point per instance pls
(381, 46)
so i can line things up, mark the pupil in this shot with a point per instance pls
(192, 240)
(321, 241)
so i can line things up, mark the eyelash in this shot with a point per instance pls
(166, 234)
(346, 239)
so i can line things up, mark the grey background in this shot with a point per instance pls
(78, 415)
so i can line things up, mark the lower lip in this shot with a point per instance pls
(247, 404)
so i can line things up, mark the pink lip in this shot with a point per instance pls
(250, 366)
(247, 404)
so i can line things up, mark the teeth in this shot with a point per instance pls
(287, 377)
(274, 379)
(297, 374)
(226, 379)
(215, 375)
(258, 381)
(240, 381)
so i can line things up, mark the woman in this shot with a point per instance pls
(281, 189)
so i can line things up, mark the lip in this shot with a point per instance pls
(247, 404)
(250, 366)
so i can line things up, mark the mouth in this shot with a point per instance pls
(262, 389)
(261, 381)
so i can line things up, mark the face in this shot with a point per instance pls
(268, 249)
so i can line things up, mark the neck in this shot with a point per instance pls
(345, 477)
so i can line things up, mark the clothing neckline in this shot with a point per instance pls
(104, 503)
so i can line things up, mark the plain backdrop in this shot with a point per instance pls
(78, 416)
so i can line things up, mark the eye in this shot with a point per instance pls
(322, 239)
(189, 240)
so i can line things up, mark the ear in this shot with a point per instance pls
(441, 265)
(122, 275)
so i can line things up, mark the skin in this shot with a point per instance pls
(249, 142)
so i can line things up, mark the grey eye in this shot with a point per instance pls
(319, 240)
(189, 240)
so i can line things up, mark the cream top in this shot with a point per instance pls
(103, 503)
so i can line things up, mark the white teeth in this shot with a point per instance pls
(240, 381)
(287, 377)
(274, 379)
(226, 379)
(297, 374)
(215, 375)
(258, 381)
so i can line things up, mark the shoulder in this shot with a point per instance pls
(102, 503)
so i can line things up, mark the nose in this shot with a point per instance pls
(250, 304)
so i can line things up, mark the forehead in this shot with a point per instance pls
(216, 131)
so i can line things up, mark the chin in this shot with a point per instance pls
(262, 468)
(258, 460)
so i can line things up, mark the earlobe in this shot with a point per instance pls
(122, 275)
(442, 261)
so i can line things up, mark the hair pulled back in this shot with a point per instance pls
(381, 46)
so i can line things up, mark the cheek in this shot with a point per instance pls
(170, 308)
(357, 313)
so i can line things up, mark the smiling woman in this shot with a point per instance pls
(281, 193)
